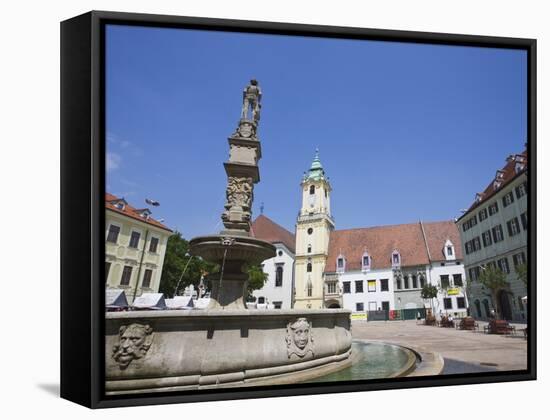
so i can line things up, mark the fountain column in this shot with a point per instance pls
(233, 248)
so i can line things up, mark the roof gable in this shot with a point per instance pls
(267, 230)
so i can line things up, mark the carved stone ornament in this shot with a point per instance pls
(134, 341)
(239, 192)
(299, 338)
(245, 129)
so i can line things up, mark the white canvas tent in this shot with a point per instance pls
(153, 301)
(115, 299)
(180, 302)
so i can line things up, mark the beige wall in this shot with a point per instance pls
(119, 254)
(314, 214)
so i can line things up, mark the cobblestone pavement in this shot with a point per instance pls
(466, 349)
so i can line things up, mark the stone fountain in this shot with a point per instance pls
(226, 345)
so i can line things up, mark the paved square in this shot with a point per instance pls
(468, 351)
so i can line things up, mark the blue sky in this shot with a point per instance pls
(406, 132)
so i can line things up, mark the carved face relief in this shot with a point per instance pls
(246, 129)
(133, 342)
(299, 338)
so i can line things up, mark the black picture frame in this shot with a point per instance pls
(83, 216)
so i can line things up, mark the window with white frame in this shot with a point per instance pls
(497, 233)
(371, 285)
(493, 208)
(513, 226)
(346, 285)
(134, 239)
(147, 276)
(503, 265)
(365, 262)
(449, 250)
(521, 190)
(112, 236)
(153, 245)
(508, 199)
(340, 264)
(395, 258)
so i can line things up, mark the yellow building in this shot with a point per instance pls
(313, 229)
(135, 245)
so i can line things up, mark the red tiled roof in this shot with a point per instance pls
(503, 176)
(437, 234)
(380, 242)
(266, 229)
(131, 212)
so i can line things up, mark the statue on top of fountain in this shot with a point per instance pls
(252, 95)
(242, 167)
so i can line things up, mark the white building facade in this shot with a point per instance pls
(278, 290)
(385, 268)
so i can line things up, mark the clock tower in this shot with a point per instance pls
(313, 229)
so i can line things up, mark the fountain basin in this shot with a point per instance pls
(154, 351)
(241, 249)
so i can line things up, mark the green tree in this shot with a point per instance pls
(493, 279)
(429, 291)
(178, 264)
(521, 271)
(256, 278)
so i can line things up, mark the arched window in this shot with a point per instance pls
(279, 276)
(309, 267)
(421, 277)
(312, 189)
(415, 284)
(309, 249)
(309, 288)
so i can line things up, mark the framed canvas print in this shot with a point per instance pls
(255, 209)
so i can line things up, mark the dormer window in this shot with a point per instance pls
(478, 197)
(496, 184)
(449, 250)
(144, 213)
(519, 167)
(365, 262)
(119, 203)
(340, 264)
(395, 259)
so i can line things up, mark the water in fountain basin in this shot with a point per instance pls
(374, 360)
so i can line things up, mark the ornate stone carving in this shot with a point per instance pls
(252, 96)
(239, 192)
(134, 341)
(299, 338)
(246, 129)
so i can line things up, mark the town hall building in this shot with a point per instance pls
(373, 268)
